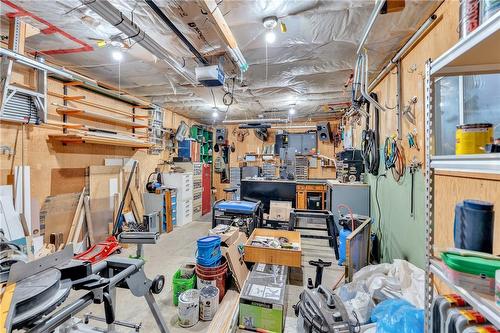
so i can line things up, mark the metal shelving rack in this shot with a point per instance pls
(475, 54)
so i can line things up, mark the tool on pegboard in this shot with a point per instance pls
(414, 166)
(412, 139)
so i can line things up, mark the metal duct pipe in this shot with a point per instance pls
(364, 84)
(116, 18)
(402, 52)
(371, 21)
(179, 34)
(294, 127)
(34, 63)
(254, 121)
(65, 75)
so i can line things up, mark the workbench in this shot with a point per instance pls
(296, 191)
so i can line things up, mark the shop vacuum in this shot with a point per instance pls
(321, 311)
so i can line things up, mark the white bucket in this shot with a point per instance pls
(209, 302)
(188, 309)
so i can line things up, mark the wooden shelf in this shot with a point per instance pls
(78, 139)
(81, 100)
(480, 302)
(97, 116)
(477, 53)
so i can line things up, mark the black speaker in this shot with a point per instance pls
(221, 136)
(324, 132)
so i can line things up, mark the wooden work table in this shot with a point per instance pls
(296, 191)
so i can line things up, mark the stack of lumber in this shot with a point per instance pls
(65, 219)
(225, 319)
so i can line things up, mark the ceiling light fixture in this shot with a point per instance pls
(291, 111)
(117, 55)
(215, 114)
(270, 37)
(270, 23)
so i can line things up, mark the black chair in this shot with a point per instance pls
(230, 190)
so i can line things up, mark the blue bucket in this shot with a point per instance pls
(208, 251)
(215, 261)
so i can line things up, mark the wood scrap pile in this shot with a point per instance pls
(87, 217)
(65, 219)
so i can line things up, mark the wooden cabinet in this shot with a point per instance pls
(301, 201)
(305, 190)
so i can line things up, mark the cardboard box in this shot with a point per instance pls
(263, 299)
(227, 238)
(235, 260)
(280, 210)
(277, 256)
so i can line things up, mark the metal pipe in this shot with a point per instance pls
(255, 121)
(176, 31)
(364, 83)
(399, 114)
(116, 18)
(34, 63)
(294, 127)
(371, 21)
(402, 52)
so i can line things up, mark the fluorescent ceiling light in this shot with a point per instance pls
(270, 37)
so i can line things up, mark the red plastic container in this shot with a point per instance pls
(215, 276)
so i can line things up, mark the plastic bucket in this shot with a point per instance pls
(214, 276)
(208, 249)
(180, 285)
(213, 262)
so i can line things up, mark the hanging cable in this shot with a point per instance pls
(394, 158)
(370, 141)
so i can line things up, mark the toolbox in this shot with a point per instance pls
(277, 256)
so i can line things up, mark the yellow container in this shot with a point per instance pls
(471, 138)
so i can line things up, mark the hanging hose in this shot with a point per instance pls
(370, 142)
(394, 158)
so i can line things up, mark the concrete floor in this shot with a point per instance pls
(179, 247)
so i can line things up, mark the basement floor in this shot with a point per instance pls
(179, 247)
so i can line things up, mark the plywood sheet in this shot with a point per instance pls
(9, 219)
(22, 202)
(57, 213)
(102, 182)
(451, 190)
(66, 180)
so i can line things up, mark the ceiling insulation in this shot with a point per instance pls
(305, 68)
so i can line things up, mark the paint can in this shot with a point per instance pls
(472, 138)
(209, 302)
(469, 17)
(489, 8)
(189, 308)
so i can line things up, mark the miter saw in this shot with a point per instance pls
(40, 288)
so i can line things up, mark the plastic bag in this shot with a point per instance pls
(398, 316)
(393, 281)
(357, 299)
